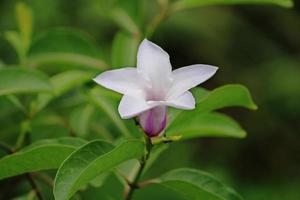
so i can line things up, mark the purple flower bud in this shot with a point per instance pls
(154, 121)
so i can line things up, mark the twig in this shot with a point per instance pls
(34, 186)
(165, 139)
(6, 148)
(134, 185)
(147, 182)
(46, 179)
(163, 14)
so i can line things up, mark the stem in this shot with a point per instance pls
(34, 186)
(6, 148)
(24, 134)
(165, 139)
(134, 185)
(46, 179)
(148, 182)
(28, 176)
(163, 14)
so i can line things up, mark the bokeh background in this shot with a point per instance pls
(255, 45)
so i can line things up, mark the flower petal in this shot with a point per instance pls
(132, 106)
(188, 77)
(185, 101)
(125, 81)
(154, 62)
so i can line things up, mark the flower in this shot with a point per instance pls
(152, 86)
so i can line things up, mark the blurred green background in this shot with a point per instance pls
(255, 45)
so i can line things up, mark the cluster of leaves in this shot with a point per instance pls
(62, 122)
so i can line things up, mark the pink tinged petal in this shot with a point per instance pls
(154, 121)
(132, 106)
(125, 81)
(188, 77)
(185, 101)
(154, 62)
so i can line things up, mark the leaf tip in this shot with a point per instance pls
(287, 3)
(243, 134)
(253, 106)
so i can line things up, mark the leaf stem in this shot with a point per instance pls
(134, 185)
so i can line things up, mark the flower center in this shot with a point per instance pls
(155, 95)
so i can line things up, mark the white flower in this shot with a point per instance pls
(152, 86)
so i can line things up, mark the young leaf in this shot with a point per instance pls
(195, 184)
(15, 40)
(19, 80)
(91, 160)
(124, 50)
(183, 4)
(25, 21)
(188, 125)
(71, 48)
(43, 155)
(62, 83)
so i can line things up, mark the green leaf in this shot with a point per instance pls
(80, 119)
(225, 96)
(195, 184)
(100, 180)
(124, 50)
(14, 100)
(43, 155)
(25, 23)
(188, 125)
(156, 191)
(15, 41)
(111, 189)
(19, 80)
(183, 4)
(65, 46)
(107, 101)
(126, 14)
(156, 152)
(65, 81)
(124, 21)
(30, 196)
(128, 168)
(62, 83)
(200, 123)
(198, 94)
(133, 8)
(91, 160)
